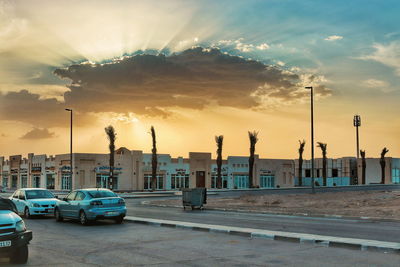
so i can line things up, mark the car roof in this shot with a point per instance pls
(28, 189)
(92, 189)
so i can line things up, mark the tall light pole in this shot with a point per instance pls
(70, 146)
(357, 123)
(312, 138)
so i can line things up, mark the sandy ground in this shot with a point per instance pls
(382, 204)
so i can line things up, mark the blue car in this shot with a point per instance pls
(91, 204)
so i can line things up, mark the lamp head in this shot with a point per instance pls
(308, 87)
(68, 109)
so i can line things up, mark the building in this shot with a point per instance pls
(340, 171)
(373, 170)
(133, 171)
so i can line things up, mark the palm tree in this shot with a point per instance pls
(323, 149)
(383, 163)
(153, 160)
(253, 140)
(112, 136)
(301, 150)
(219, 140)
(363, 166)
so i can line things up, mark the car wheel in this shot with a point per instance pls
(27, 214)
(119, 220)
(20, 256)
(58, 216)
(82, 218)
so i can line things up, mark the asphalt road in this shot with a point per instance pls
(108, 244)
(364, 229)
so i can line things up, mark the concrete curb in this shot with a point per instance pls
(329, 241)
(334, 216)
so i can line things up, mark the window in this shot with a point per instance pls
(16, 194)
(80, 196)
(66, 182)
(334, 172)
(24, 181)
(267, 181)
(159, 181)
(50, 181)
(101, 193)
(71, 196)
(179, 181)
(22, 195)
(308, 173)
(214, 180)
(318, 173)
(35, 194)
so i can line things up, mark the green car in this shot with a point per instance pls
(87, 205)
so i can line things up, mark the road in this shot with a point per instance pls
(364, 229)
(108, 244)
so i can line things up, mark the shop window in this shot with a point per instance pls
(335, 172)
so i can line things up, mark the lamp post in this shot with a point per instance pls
(70, 146)
(357, 123)
(312, 138)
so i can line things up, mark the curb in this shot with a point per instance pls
(333, 216)
(328, 241)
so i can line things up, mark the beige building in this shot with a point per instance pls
(373, 170)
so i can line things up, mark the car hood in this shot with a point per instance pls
(44, 201)
(8, 216)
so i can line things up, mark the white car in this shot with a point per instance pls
(34, 201)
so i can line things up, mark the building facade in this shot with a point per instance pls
(133, 171)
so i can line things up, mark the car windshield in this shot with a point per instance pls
(6, 204)
(101, 193)
(33, 194)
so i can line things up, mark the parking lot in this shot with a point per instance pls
(108, 244)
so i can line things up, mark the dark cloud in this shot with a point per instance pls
(149, 84)
(37, 133)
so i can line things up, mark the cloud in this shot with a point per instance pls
(37, 133)
(388, 55)
(333, 38)
(195, 78)
(241, 46)
(154, 85)
(373, 83)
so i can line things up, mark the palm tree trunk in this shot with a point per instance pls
(219, 140)
(324, 170)
(300, 171)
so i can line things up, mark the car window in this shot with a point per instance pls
(33, 194)
(71, 196)
(15, 195)
(80, 196)
(101, 193)
(21, 195)
(7, 204)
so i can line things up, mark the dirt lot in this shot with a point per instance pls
(382, 204)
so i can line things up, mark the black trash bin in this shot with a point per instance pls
(194, 197)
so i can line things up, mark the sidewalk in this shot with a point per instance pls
(329, 241)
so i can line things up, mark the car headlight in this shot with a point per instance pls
(36, 205)
(20, 226)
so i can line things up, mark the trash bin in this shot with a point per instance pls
(194, 197)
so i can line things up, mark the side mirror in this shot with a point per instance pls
(56, 197)
(65, 199)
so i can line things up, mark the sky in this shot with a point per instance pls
(197, 69)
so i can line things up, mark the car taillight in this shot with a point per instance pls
(96, 203)
(121, 201)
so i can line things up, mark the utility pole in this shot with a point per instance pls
(312, 138)
(357, 123)
(70, 147)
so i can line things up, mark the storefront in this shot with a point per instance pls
(103, 176)
(240, 181)
(159, 181)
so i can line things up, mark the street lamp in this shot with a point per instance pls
(312, 138)
(357, 123)
(70, 145)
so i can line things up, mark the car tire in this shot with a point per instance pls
(82, 218)
(58, 216)
(27, 214)
(119, 220)
(20, 256)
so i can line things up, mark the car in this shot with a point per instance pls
(91, 204)
(14, 238)
(34, 201)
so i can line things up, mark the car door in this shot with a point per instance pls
(76, 203)
(22, 203)
(65, 206)
(15, 199)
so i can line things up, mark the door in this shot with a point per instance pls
(200, 179)
(65, 206)
(76, 204)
